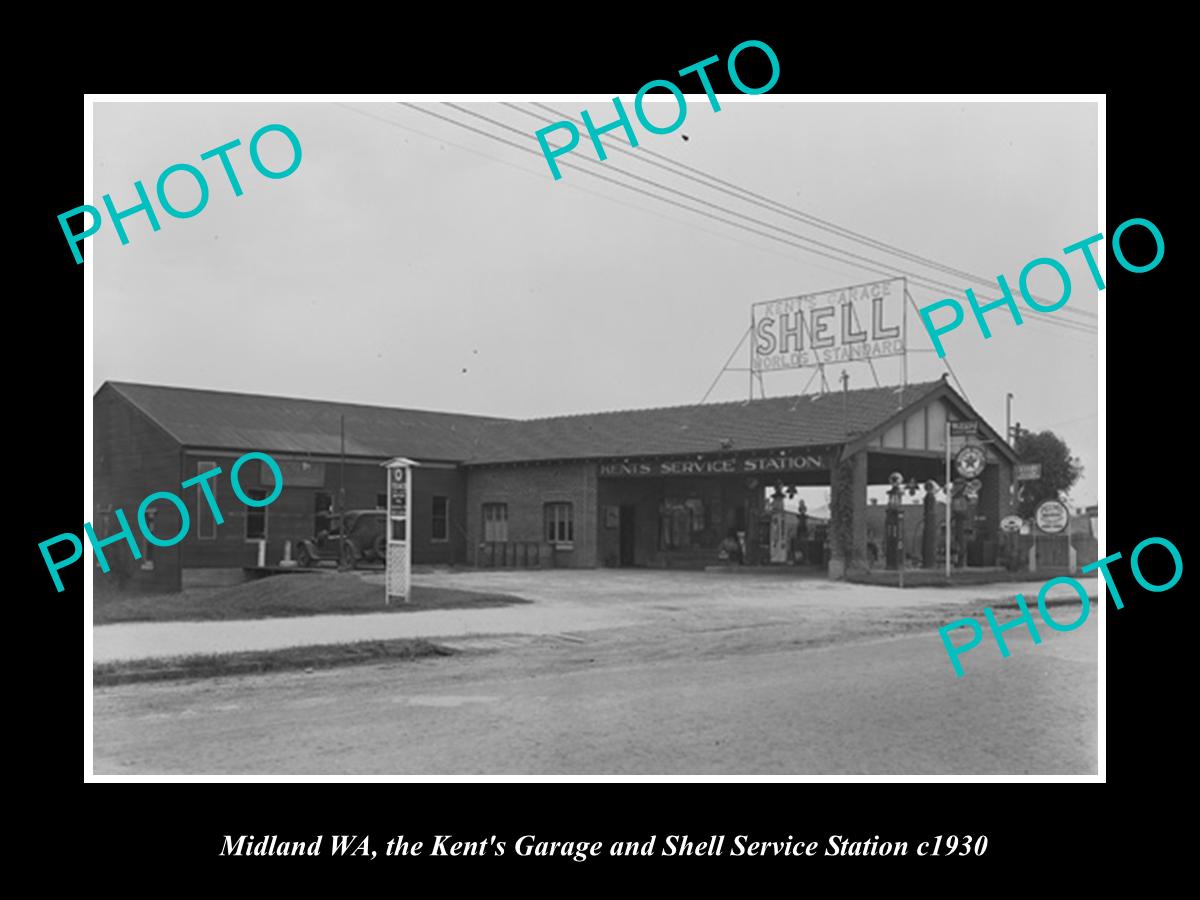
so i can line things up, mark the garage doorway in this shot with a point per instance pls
(628, 518)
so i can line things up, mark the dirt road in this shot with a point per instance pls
(721, 699)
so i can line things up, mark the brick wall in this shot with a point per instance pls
(292, 515)
(132, 458)
(526, 490)
(848, 501)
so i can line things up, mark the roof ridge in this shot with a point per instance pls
(781, 398)
(118, 385)
(209, 418)
(504, 420)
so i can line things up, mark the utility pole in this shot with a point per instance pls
(750, 369)
(1008, 432)
(845, 395)
(342, 499)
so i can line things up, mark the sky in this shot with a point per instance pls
(411, 262)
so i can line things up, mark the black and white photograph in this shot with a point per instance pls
(686, 434)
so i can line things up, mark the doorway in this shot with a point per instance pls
(628, 518)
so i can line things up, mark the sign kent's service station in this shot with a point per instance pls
(791, 462)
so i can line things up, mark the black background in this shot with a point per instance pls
(1149, 449)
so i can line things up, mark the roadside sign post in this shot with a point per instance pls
(398, 576)
(1033, 557)
(1051, 517)
(968, 428)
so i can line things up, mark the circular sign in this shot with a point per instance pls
(970, 461)
(1010, 523)
(1052, 517)
(398, 474)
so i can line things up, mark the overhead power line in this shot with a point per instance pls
(539, 175)
(749, 196)
(873, 265)
(462, 125)
(774, 237)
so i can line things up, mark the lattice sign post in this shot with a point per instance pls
(399, 556)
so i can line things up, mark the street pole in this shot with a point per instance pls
(408, 532)
(750, 396)
(342, 499)
(845, 407)
(1034, 530)
(949, 509)
(904, 338)
(389, 533)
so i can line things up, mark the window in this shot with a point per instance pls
(206, 525)
(147, 547)
(441, 519)
(495, 522)
(256, 516)
(560, 523)
(682, 524)
(381, 501)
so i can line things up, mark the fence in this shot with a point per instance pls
(1052, 552)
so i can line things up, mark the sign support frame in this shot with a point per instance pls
(398, 562)
(904, 299)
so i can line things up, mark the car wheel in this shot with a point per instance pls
(381, 547)
(303, 557)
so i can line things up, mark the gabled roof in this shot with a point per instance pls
(797, 421)
(224, 420)
(962, 409)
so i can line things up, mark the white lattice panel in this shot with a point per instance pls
(397, 569)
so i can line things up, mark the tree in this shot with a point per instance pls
(1060, 470)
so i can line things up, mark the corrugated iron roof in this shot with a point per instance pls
(219, 419)
(776, 422)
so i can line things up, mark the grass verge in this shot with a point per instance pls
(254, 662)
(281, 596)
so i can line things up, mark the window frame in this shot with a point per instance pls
(433, 518)
(203, 466)
(494, 521)
(553, 523)
(255, 510)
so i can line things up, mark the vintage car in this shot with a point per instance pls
(365, 539)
